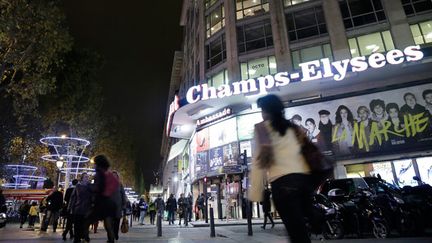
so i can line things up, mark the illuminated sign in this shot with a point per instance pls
(213, 117)
(174, 106)
(312, 70)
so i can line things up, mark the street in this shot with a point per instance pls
(175, 233)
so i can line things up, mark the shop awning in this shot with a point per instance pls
(177, 149)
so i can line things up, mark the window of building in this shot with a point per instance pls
(294, 2)
(361, 12)
(414, 7)
(425, 169)
(310, 54)
(254, 36)
(258, 67)
(422, 32)
(306, 23)
(216, 51)
(218, 79)
(367, 44)
(215, 21)
(248, 8)
(209, 3)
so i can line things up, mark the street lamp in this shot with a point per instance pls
(59, 165)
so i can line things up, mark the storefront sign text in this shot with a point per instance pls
(213, 117)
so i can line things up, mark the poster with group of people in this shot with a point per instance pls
(381, 122)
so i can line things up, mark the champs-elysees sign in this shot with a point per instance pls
(309, 71)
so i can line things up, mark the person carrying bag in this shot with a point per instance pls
(290, 163)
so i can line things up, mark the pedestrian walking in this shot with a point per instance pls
(142, 205)
(201, 206)
(80, 207)
(171, 206)
(135, 211)
(42, 210)
(120, 201)
(279, 157)
(67, 214)
(104, 188)
(182, 208)
(54, 205)
(24, 211)
(33, 214)
(266, 206)
(190, 206)
(152, 212)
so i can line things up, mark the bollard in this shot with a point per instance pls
(249, 218)
(159, 224)
(212, 226)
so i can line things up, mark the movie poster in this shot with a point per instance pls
(246, 125)
(201, 164)
(202, 140)
(375, 123)
(216, 159)
(230, 154)
(223, 133)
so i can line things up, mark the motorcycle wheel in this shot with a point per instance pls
(380, 230)
(336, 228)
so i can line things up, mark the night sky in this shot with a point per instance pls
(137, 38)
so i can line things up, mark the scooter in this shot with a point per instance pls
(325, 218)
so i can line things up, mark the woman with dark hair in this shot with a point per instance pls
(343, 130)
(397, 124)
(279, 158)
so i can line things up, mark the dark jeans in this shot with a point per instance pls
(23, 218)
(171, 216)
(116, 226)
(69, 223)
(81, 228)
(50, 216)
(32, 220)
(267, 215)
(292, 199)
(152, 217)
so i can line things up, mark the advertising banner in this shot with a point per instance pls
(216, 159)
(201, 164)
(202, 140)
(246, 125)
(370, 124)
(223, 133)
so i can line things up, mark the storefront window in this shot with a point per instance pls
(306, 23)
(405, 172)
(414, 7)
(258, 67)
(218, 79)
(254, 36)
(361, 12)
(216, 51)
(425, 169)
(215, 21)
(248, 8)
(294, 2)
(310, 54)
(422, 32)
(367, 44)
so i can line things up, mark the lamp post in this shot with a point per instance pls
(59, 165)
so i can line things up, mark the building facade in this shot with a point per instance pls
(355, 74)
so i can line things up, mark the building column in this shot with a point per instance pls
(233, 65)
(399, 27)
(201, 41)
(336, 29)
(280, 36)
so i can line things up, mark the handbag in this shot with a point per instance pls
(321, 166)
(124, 225)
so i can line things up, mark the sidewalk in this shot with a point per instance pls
(232, 222)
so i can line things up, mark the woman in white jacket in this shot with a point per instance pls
(278, 160)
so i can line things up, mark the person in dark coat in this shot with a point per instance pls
(325, 127)
(190, 203)
(266, 206)
(3, 207)
(68, 216)
(120, 200)
(54, 205)
(80, 207)
(24, 211)
(171, 206)
(183, 205)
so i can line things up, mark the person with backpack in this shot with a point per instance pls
(104, 188)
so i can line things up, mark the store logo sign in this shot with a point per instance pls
(174, 106)
(312, 70)
(213, 117)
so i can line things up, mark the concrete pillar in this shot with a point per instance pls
(336, 29)
(399, 27)
(233, 65)
(280, 36)
(201, 41)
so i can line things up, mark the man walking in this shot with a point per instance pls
(69, 218)
(171, 206)
(54, 204)
(79, 206)
(142, 205)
